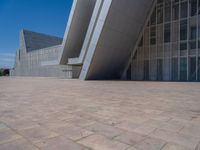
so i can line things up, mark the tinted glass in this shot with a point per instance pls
(183, 69)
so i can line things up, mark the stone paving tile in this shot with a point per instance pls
(53, 123)
(172, 127)
(73, 132)
(145, 129)
(110, 121)
(198, 147)
(59, 116)
(161, 117)
(128, 126)
(135, 119)
(22, 124)
(19, 144)
(78, 121)
(150, 144)
(132, 148)
(37, 134)
(59, 143)
(41, 109)
(8, 136)
(185, 140)
(99, 142)
(172, 146)
(155, 123)
(192, 130)
(106, 130)
(130, 138)
(3, 127)
(9, 118)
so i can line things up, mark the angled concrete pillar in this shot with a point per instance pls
(114, 37)
(76, 29)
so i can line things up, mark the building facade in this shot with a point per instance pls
(35, 50)
(169, 48)
(119, 39)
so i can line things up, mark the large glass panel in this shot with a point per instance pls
(141, 42)
(159, 32)
(199, 7)
(193, 37)
(183, 46)
(134, 70)
(193, 33)
(167, 33)
(153, 36)
(175, 11)
(198, 44)
(146, 52)
(129, 73)
(146, 70)
(174, 49)
(199, 31)
(140, 62)
(183, 69)
(192, 45)
(160, 51)
(167, 50)
(159, 1)
(153, 69)
(160, 69)
(153, 52)
(192, 68)
(167, 11)
(146, 37)
(184, 9)
(153, 17)
(175, 31)
(160, 14)
(174, 69)
(166, 69)
(198, 68)
(183, 30)
(193, 7)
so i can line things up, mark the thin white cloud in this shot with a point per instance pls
(7, 60)
(7, 55)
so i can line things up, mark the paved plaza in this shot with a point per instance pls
(58, 114)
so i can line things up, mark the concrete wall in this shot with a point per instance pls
(76, 29)
(115, 35)
(93, 22)
(99, 38)
(30, 63)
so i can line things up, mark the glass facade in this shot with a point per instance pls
(170, 45)
(198, 68)
(192, 68)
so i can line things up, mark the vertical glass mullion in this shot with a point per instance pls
(170, 59)
(156, 41)
(179, 53)
(188, 34)
(197, 39)
(163, 49)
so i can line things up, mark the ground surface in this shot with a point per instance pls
(55, 114)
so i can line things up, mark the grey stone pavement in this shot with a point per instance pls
(58, 114)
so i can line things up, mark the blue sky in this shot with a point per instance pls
(45, 16)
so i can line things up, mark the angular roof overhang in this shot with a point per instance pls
(116, 32)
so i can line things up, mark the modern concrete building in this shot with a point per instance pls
(119, 39)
